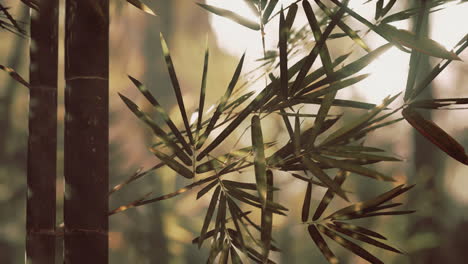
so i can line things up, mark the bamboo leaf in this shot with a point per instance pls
(348, 166)
(350, 69)
(306, 203)
(157, 130)
(343, 103)
(267, 218)
(269, 9)
(291, 16)
(322, 245)
(315, 51)
(222, 104)
(346, 29)
(358, 229)
(161, 112)
(235, 218)
(15, 76)
(206, 189)
(363, 238)
(371, 203)
(356, 249)
(357, 124)
(329, 195)
(235, 258)
(173, 164)
(176, 86)
(323, 177)
(358, 155)
(422, 44)
(259, 158)
(208, 216)
(438, 103)
(138, 4)
(283, 50)
(436, 135)
(231, 15)
(201, 103)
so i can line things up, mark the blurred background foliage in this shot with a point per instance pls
(162, 232)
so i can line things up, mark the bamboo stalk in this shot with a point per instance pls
(86, 131)
(42, 141)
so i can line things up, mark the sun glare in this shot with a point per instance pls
(388, 73)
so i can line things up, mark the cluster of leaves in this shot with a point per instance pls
(9, 23)
(312, 152)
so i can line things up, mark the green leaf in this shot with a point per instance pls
(371, 203)
(438, 103)
(291, 16)
(436, 135)
(283, 51)
(356, 249)
(138, 4)
(157, 130)
(346, 29)
(259, 158)
(15, 76)
(269, 9)
(235, 218)
(306, 203)
(358, 155)
(176, 86)
(322, 245)
(329, 195)
(208, 216)
(267, 218)
(358, 229)
(162, 113)
(222, 104)
(363, 238)
(173, 164)
(357, 124)
(201, 103)
(206, 189)
(323, 177)
(315, 51)
(232, 16)
(422, 44)
(235, 258)
(350, 69)
(349, 166)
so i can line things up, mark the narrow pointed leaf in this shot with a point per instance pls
(208, 216)
(222, 104)
(306, 203)
(201, 103)
(235, 258)
(438, 103)
(423, 44)
(162, 113)
(15, 75)
(358, 229)
(363, 238)
(173, 164)
(232, 16)
(357, 124)
(322, 245)
(291, 16)
(346, 29)
(176, 86)
(236, 220)
(259, 158)
(283, 51)
(269, 9)
(323, 177)
(138, 4)
(157, 130)
(206, 189)
(267, 219)
(351, 246)
(329, 195)
(436, 135)
(358, 155)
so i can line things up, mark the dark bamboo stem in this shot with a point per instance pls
(86, 131)
(42, 142)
